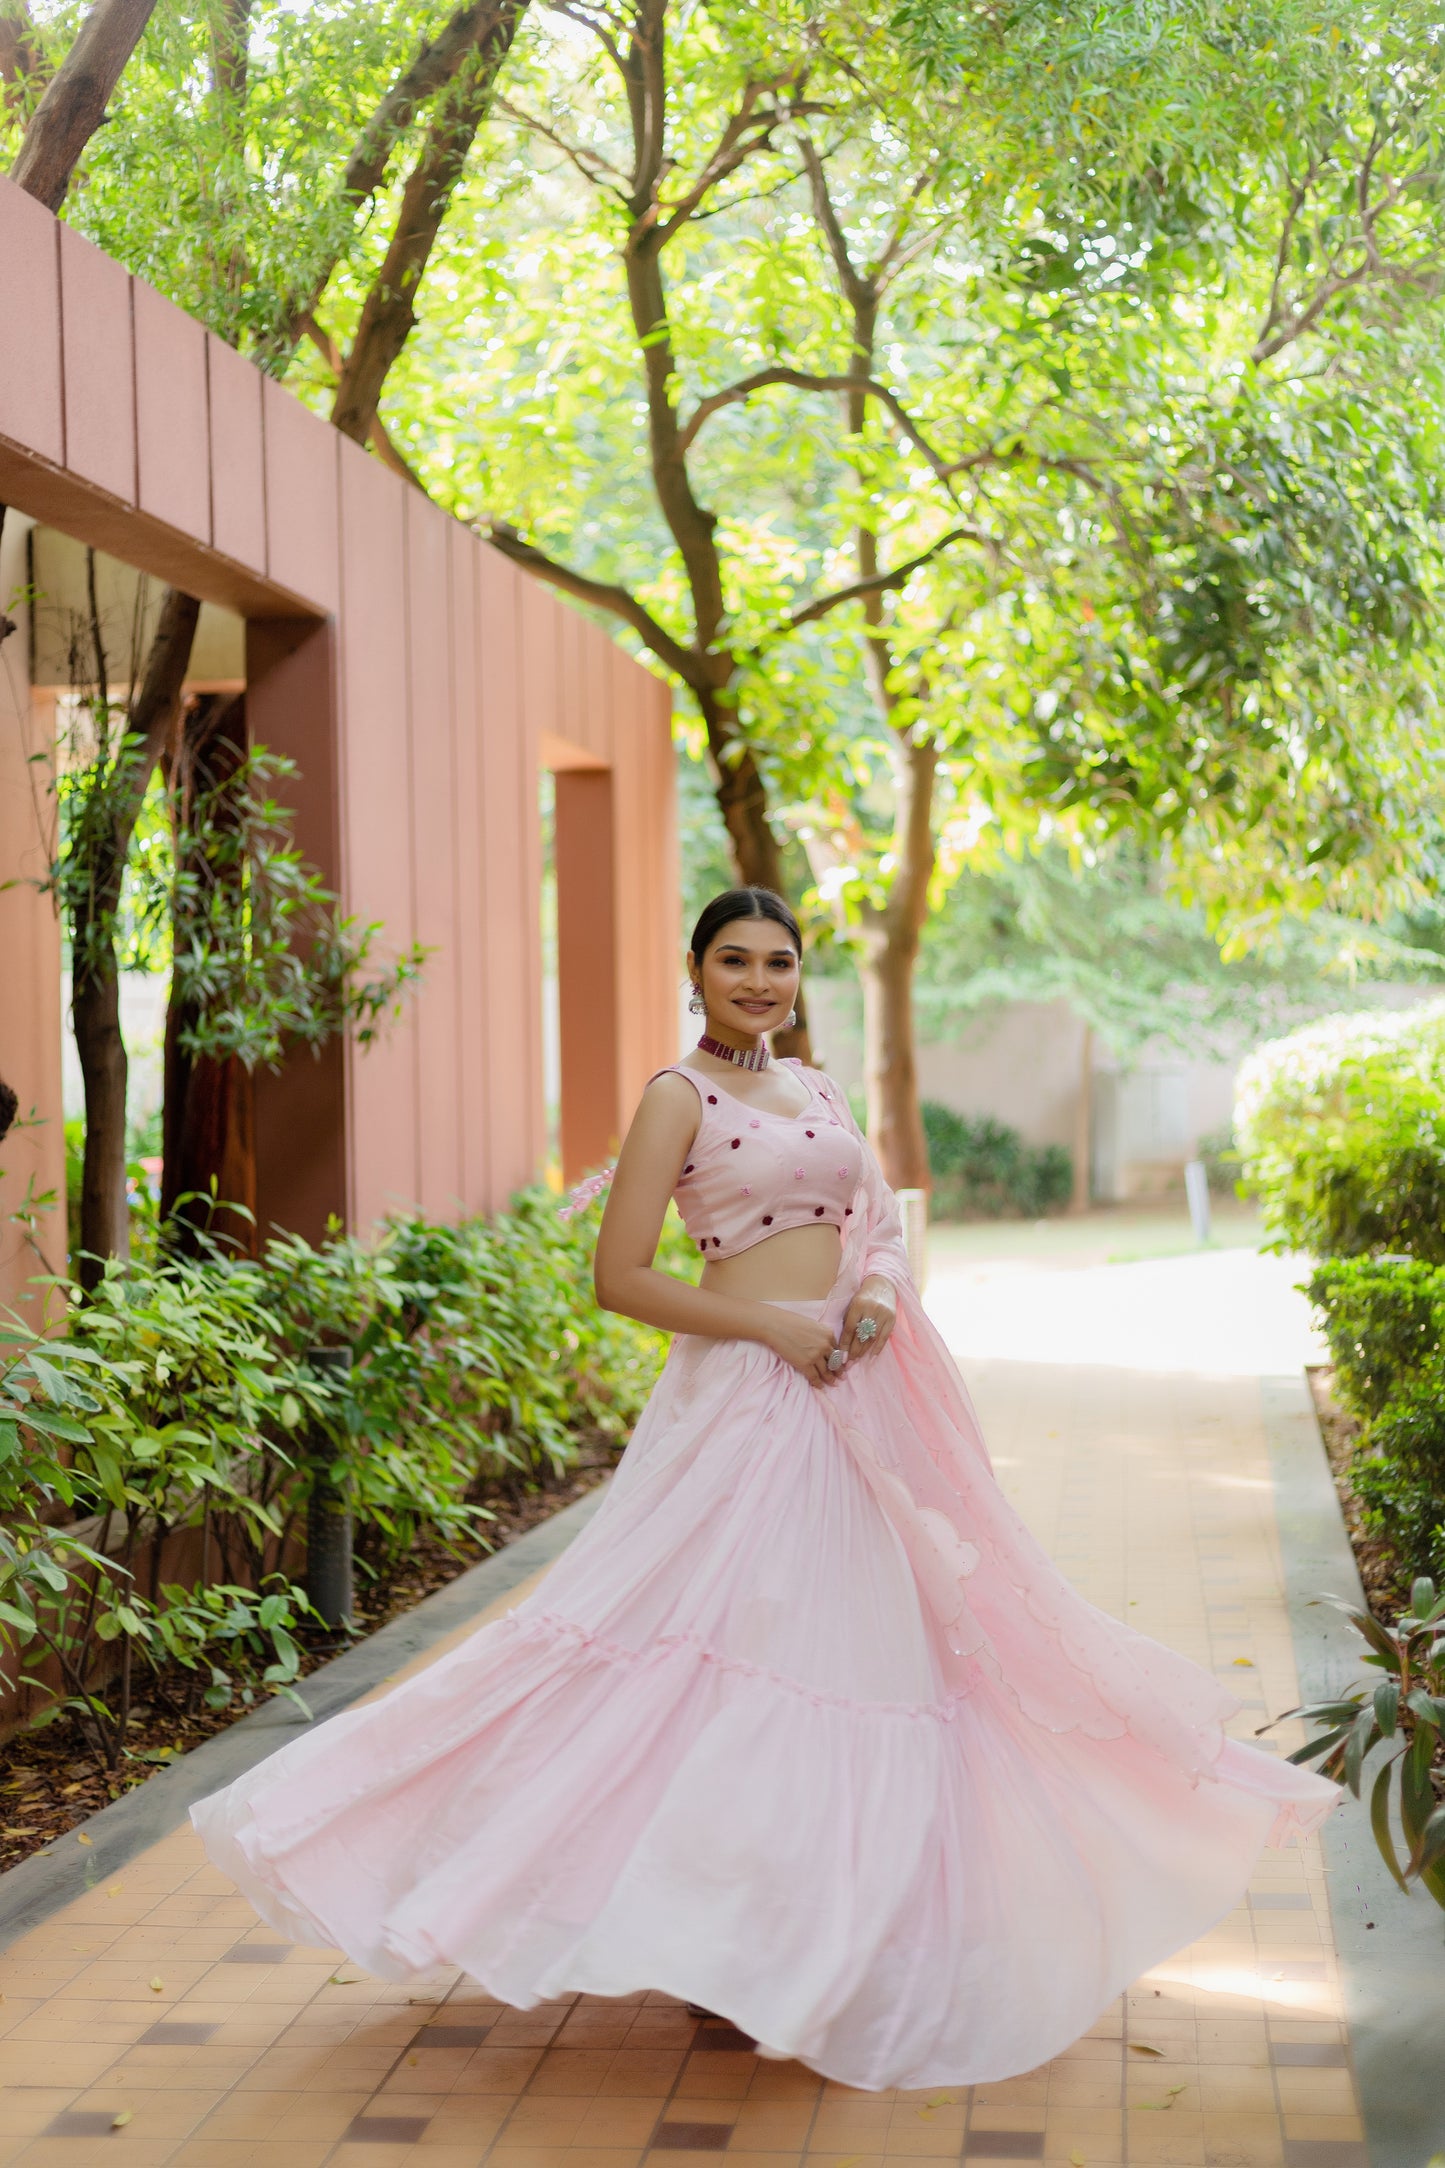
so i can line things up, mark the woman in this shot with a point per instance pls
(804, 1728)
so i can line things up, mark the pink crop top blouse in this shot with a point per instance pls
(750, 1174)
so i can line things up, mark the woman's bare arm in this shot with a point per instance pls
(652, 1157)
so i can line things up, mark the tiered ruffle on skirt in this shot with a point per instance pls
(804, 1727)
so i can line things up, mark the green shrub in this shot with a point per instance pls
(181, 1398)
(1398, 1473)
(982, 1169)
(1341, 1129)
(1384, 1318)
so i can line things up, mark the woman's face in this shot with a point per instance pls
(749, 976)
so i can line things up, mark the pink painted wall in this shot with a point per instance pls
(413, 674)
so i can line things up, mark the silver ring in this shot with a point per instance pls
(837, 1359)
(865, 1328)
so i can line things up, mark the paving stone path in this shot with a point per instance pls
(155, 2021)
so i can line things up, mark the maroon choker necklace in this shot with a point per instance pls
(757, 1059)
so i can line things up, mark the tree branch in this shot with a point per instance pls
(22, 63)
(388, 314)
(603, 595)
(75, 100)
(883, 583)
(594, 169)
(747, 130)
(436, 66)
(803, 380)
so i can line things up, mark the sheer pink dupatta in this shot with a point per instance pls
(998, 1599)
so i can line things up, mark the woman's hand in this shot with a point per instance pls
(876, 1299)
(804, 1343)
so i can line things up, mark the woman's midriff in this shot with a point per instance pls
(799, 1265)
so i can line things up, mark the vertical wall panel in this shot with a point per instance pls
(33, 1160)
(301, 1113)
(588, 990)
(537, 713)
(31, 371)
(377, 820)
(655, 698)
(512, 929)
(474, 1083)
(301, 454)
(434, 854)
(238, 458)
(99, 367)
(171, 424)
(635, 901)
(415, 698)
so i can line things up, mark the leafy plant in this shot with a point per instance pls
(983, 1169)
(1404, 1713)
(1341, 1129)
(1384, 1318)
(180, 1404)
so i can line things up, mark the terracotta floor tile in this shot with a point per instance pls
(119, 2146)
(785, 2081)
(846, 2126)
(1236, 2085)
(627, 2123)
(1175, 2138)
(1242, 2140)
(772, 2126)
(250, 2153)
(992, 2117)
(1315, 2092)
(700, 2079)
(1343, 2129)
(603, 2156)
(574, 2070)
(546, 2121)
(638, 2073)
(1086, 2086)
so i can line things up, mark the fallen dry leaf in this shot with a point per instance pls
(118, 2122)
(158, 1985)
(1137, 2047)
(1076, 2159)
(81, 1837)
(337, 1981)
(1246, 1663)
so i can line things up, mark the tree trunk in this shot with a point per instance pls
(208, 1122)
(1082, 1195)
(95, 982)
(387, 314)
(210, 1138)
(75, 101)
(95, 1009)
(891, 939)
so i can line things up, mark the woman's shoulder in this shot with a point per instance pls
(819, 1079)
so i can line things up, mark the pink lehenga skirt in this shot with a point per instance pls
(804, 1727)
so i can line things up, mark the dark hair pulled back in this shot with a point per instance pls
(735, 903)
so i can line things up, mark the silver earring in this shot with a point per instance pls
(792, 1019)
(697, 1005)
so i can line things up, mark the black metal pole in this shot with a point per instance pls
(328, 1516)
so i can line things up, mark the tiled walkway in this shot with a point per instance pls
(155, 2021)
